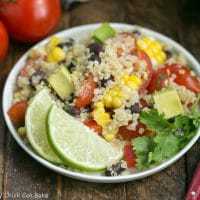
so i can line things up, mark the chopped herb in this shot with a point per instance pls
(170, 136)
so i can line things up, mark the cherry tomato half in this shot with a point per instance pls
(182, 74)
(93, 125)
(143, 56)
(3, 41)
(17, 112)
(129, 155)
(86, 93)
(30, 21)
(127, 134)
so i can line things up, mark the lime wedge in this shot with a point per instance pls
(35, 122)
(77, 145)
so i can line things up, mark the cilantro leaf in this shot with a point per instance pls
(166, 145)
(142, 146)
(195, 116)
(170, 136)
(155, 121)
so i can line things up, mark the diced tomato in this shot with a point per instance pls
(93, 125)
(143, 56)
(144, 103)
(24, 71)
(86, 93)
(17, 112)
(129, 155)
(119, 52)
(158, 80)
(127, 134)
(182, 77)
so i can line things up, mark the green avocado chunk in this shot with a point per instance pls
(168, 102)
(61, 82)
(104, 32)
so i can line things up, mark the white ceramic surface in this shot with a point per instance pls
(80, 33)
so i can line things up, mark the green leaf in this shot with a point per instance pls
(170, 136)
(166, 145)
(155, 121)
(142, 146)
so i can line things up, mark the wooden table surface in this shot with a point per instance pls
(21, 177)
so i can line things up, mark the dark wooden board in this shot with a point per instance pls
(20, 174)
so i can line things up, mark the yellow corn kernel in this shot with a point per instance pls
(131, 81)
(109, 137)
(109, 133)
(101, 117)
(50, 58)
(161, 57)
(152, 48)
(155, 45)
(108, 100)
(54, 41)
(142, 44)
(56, 55)
(21, 131)
(116, 102)
(116, 91)
(113, 98)
(99, 104)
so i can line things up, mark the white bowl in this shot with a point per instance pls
(78, 33)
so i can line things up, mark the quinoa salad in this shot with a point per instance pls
(129, 89)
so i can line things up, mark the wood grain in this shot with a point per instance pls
(98, 11)
(77, 190)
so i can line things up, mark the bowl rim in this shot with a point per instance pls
(78, 175)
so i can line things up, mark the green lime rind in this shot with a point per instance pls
(35, 122)
(77, 145)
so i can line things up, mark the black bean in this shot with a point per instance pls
(72, 110)
(95, 48)
(135, 108)
(36, 78)
(71, 66)
(115, 169)
(136, 33)
(71, 98)
(68, 43)
(95, 57)
(168, 54)
(104, 81)
(88, 108)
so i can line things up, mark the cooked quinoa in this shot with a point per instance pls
(111, 80)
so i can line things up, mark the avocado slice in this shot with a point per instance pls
(61, 82)
(104, 32)
(168, 102)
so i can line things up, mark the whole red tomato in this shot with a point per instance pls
(30, 21)
(3, 41)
